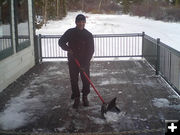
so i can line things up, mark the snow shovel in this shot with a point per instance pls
(111, 106)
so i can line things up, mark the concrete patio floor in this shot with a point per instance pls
(39, 101)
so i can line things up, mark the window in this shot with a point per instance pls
(6, 47)
(22, 24)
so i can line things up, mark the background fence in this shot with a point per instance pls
(111, 45)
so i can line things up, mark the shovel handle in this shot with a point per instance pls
(78, 64)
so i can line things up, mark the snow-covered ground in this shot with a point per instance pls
(169, 33)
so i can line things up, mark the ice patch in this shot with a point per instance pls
(53, 68)
(98, 74)
(173, 96)
(112, 81)
(119, 92)
(98, 120)
(160, 102)
(56, 107)
(176, 106)
(56, 73)
(60, 129)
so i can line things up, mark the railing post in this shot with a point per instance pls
(40, 48)
(36, 54)
(143, 33)
(158, 57)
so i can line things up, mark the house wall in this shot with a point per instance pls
(20, 62)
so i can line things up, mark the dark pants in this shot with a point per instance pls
(74, 76)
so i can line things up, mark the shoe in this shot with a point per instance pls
(85, 101)
(72, 96)
(76, 103)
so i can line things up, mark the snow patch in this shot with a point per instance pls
(98, 120)
(160, 102)
(98, 74)
(53, 68)
(163, 102)
(56, 107)
(112, 81)
(18, 112)
(112, 117)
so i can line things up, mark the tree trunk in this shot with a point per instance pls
(64, 8)
(100, 3)
(57, 9)
(45, 12)
(82, 5)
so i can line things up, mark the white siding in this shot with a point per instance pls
(16, 65)
(19, 63)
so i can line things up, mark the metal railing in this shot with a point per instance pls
(6, 48)
(6, 45)
(169, 65)
(164, 59)
(5, 42)
(23, 41)
(118, 45)
(111, 45)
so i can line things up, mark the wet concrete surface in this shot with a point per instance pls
(41, 100)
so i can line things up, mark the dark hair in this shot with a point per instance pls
(80, 17)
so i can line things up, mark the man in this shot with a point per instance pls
(79, 43)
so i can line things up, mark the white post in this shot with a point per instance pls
(13, 26)
(31, 26)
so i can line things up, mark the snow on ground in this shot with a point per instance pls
(169, 33)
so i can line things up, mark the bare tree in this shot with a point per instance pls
(82, 5)
(57, 9)
(45, 12)
(99, 6)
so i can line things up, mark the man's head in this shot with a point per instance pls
(80, 21)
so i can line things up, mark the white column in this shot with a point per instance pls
(13, 26)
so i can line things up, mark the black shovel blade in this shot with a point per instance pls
(111, 106)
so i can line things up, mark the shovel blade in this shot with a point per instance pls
(111, 106)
